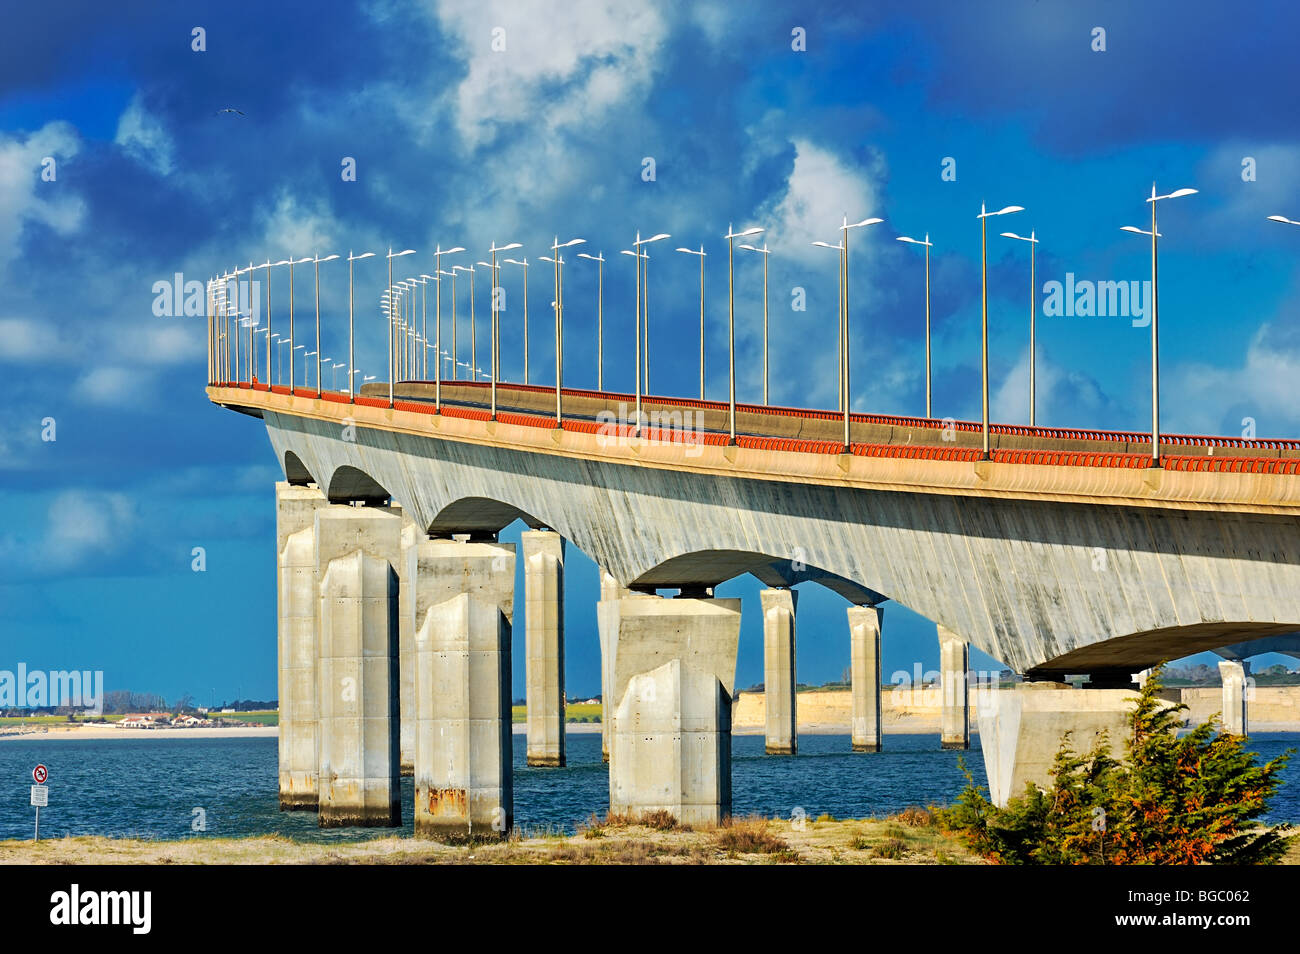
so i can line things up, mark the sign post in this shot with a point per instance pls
(40, 795)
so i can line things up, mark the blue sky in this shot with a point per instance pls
(460, 144)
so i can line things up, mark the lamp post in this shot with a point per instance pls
(418, 361)
(316, 261)
(496, 320)
(702, 255)
(1032, 239)
(984, 216)
(1155, 319)
(557, 260)
(731, 321)
(637, 254)
(290, 262)
(764, 251)
(351, 316)
(1283, 219)
(844, 324)
(928, 244)
(524, 263)
(392, 255)
(455, 349)
(599, 259)
(437, 349)
(424, 320)
(438, 253)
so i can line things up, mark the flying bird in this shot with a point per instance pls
(230, 109)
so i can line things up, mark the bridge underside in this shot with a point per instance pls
(1048, 587)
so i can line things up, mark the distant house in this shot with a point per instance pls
(188, 721)
(592, 702)
(138, 720)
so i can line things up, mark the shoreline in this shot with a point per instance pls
(59, 733)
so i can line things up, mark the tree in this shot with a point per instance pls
(1170, 800)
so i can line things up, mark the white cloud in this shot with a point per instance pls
(109, 385)
(297, 229)
(1263, 388)
(25, 197)
(564, 65)
(24, 340)
(821, 190)
(1065, 397)
(142, 137)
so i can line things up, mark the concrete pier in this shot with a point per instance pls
(1236, 709)
(412, 535)
(674, 674)
(1021, 730)
(465, 607)
(864, 671)
(544, 645)
(606, 626)
(357, 551)
(298, 606)
(954, 665)
(779, 670)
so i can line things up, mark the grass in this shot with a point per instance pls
(614, 839)
(574, 712)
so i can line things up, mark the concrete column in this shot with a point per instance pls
(1021, 730)
(779, 670)
(864, 672)
(357, 551)
(544, 645)
(1235, 707)
(464, 598)
(606, 625)
(954, 663)
(674, 675)
(295, 534)
(412, 535)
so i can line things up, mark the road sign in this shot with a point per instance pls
(40, 796)
(39, 775)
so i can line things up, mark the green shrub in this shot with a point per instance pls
(1170, 800)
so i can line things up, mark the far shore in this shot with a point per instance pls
(99, 730)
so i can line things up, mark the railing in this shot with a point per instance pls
(1199, 463)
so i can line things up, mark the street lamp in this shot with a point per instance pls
(844, 324)
(984, 216)
(928, 244)
(702, 255)
(316, 261)
(1033, 320)
(391, 255)
(1283, 219)
(638, 254)
(438, 273)
(599, 259)
(351, 354)
(731, 320)
(1155, 322)
(764, 251)
(557, 260)
(455, 349)
(496, 320)
(524, 263)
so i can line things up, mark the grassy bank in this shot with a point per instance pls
(608, 841)
(574, 712)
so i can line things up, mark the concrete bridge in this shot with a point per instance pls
(1063, 553)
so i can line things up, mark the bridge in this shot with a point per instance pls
(1059, 552)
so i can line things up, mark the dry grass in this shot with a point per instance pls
(612, 840)
(750, 836)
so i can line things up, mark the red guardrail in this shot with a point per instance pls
(1060, 458)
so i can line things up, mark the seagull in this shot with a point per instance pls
(229, 109)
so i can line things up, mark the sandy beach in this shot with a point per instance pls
(100, 731)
